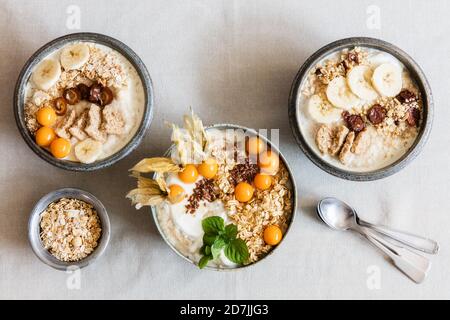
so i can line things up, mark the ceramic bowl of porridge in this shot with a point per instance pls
(83, 101)
(361, 109)
(223, 197)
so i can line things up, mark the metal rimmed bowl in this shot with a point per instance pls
(24, 77)
(249, 132)
(34, 228)
(416, 74)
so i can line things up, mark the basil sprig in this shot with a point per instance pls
(219, 237)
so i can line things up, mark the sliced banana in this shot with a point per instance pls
(387, 79)
(340, 95)
(74, 56)
(321, 111)
(87, 151)
(46, 74)
(378, 59)
(359, 79)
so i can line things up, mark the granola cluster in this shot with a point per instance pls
(70, 229)
(332, 69)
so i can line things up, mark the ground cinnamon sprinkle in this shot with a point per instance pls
(204, 190)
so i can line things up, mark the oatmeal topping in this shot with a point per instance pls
(70, 229)
(268, 207)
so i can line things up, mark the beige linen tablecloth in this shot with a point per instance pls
(233, 61)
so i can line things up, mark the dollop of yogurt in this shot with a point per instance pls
(191, 223)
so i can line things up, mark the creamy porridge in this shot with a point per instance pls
(359, 109)
(84, 102)
(225, 203)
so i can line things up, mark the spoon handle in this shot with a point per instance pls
(411, 240)
(410, 263)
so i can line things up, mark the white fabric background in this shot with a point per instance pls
(233, 61)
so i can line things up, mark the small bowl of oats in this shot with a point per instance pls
(68, 228)
(83, 101)
(361, 109)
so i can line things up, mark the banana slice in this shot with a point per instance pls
(387, 79)
(359, 80)
(339, 94)
(321, 111)
(74, 56)
(87, 151)
(46, 74)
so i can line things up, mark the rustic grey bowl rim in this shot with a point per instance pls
(50, 47)
(222, 126)
(34, 228)
(416, 73)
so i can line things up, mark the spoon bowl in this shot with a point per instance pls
(336, 214)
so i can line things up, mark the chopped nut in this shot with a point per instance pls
(323, 138)
(346, 155)
(339, 135)
(204, 190)
(243, 172)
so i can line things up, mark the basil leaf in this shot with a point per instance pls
(208, 239)
(231, 231)
(217, 247)
(237, 251)
(207, 251)
(204, 261)
(213, 225)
